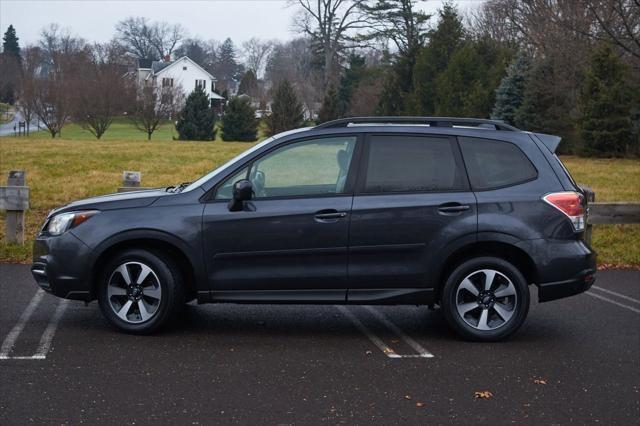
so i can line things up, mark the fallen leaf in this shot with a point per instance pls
(540, 381)
(395, 341)
(368, 352)
(389, 351)
(483, 394)
(420, 404)
(408, 397)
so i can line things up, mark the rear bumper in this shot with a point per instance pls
(59, 266)
(559, 289)
(564, 267)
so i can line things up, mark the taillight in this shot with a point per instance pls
(571, 204)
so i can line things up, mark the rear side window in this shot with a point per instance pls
(399, 163)
(495, 164)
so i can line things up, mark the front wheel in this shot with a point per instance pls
(485, 299)
(140, 290)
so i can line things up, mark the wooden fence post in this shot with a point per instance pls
(591, 198)
(15, 199)
(130, 181)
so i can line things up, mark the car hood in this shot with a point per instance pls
(121, 200)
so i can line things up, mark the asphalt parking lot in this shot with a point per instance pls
(575, 361)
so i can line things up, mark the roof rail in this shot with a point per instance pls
(430, 121)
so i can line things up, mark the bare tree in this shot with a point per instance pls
(255, 53)
(154, 106)
(103, 88)
(146, 40)
(31, 62)
(331, 25)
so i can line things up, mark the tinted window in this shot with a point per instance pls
(494, 164)
(411, 163)
(311, 167)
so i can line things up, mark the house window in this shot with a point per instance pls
(167, 82)
(184, 68)
(202, 84)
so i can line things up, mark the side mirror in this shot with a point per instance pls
(242, 191)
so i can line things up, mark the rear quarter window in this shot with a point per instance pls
(495, 164)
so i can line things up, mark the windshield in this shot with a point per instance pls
(211, 174)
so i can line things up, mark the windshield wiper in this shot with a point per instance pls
(177, 188)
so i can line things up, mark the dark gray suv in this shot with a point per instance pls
(460, 213)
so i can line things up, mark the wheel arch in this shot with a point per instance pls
(506, 250)
(153, 241)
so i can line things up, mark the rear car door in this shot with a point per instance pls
(412, 200)
(290, 240)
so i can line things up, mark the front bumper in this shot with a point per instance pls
(564, 267)
(60, 266)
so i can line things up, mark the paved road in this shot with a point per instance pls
(6, 129)
(575, 360)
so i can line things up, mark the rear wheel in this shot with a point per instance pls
(140, 291)
(485, 299)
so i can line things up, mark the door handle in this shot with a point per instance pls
(452, 208)
(329, 215)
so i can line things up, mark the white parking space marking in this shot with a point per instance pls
(622, 296)
(606, 299)
(10, 340)
(50, 331)
(422, 353)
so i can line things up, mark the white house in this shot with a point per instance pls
(183, 73)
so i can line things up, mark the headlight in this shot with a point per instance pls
(62, 222)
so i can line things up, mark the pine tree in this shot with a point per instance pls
(10, 43)
(227, 69)
(330, 109)
(542, 110)
(286, 110)
(434, 58)
(352, 77)
(510, 93)
(606, 105)
(196, 121)
(239, 122)
(249, 85)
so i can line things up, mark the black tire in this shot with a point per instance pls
(170, 284)
(473, 269)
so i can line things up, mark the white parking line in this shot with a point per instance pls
(422, 353)
(606, 299)
(10, 340)
(50, 331)
(622, 296)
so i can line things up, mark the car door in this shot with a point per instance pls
(290, 241)
(412, 201)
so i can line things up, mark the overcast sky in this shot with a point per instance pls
(95, 20)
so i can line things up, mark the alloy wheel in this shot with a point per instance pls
(134, 292)
(486, 299)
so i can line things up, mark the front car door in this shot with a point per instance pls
(290, 241)
(412, 201)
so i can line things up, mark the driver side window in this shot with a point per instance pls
(312, 167)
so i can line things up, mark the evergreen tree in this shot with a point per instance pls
(352, 77)
(434, 58)
(543, 109)
(227, 69)
(330, 109)
(249, 85)
(510, 93)
(10, 43)
(286, 110)
(606, 105)
(239, 122)
(466, 87)
(196, 121)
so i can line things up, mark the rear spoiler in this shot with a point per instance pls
(550, 141)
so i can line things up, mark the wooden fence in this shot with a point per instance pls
(14, 198)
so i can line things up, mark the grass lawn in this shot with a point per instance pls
(78, 166)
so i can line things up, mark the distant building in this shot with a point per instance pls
(183, 73)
